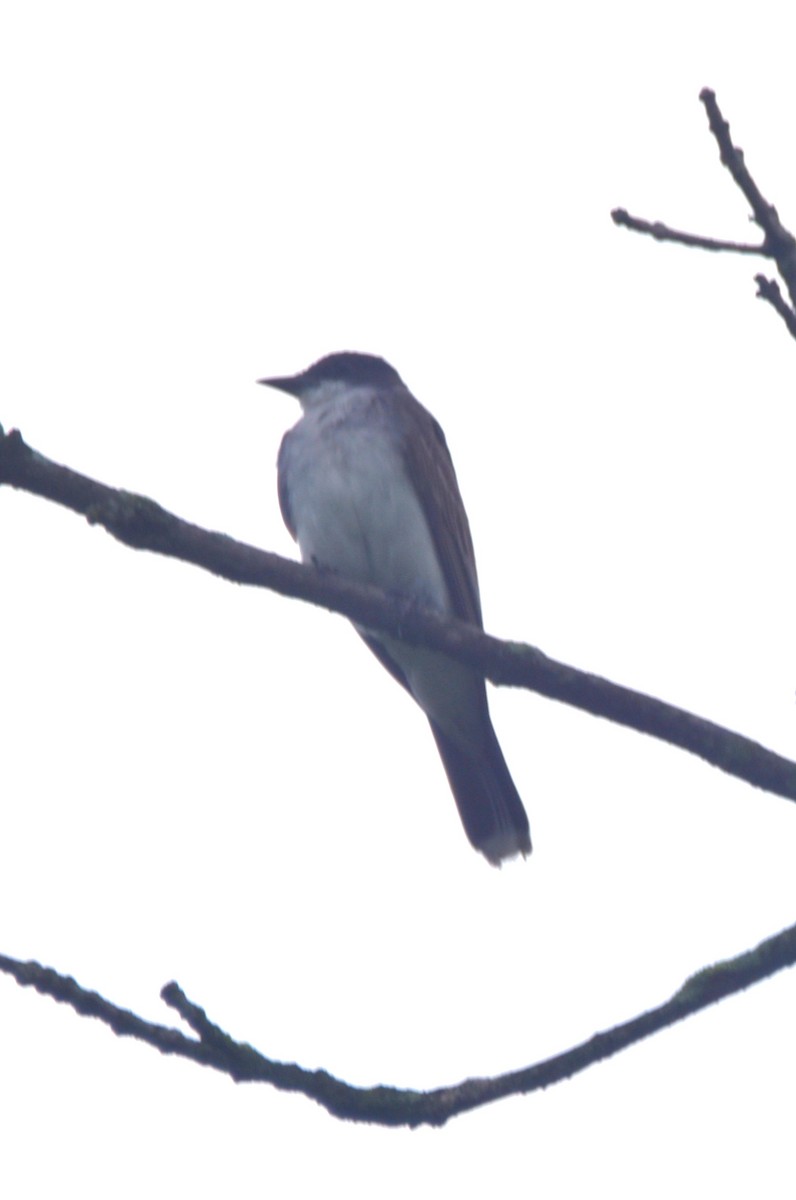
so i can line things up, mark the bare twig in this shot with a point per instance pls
(143, 524)
(664, 233)
(778, 242)
(768, 289)
(394, 1106)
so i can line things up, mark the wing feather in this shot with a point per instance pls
(430, 468)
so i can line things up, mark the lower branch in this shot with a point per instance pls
(390, 1106)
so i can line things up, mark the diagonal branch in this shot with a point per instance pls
(144, 525)
(390, 1106)
(778, 242)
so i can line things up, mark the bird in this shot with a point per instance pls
(368, 490)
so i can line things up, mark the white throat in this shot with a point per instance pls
(331, 393)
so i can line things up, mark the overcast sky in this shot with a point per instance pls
(217, 785)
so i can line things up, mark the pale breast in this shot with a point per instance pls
(354, 509)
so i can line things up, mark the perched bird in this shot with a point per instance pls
(367, 489)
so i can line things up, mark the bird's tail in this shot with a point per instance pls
(489, 804)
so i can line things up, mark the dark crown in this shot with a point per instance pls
(352, 368)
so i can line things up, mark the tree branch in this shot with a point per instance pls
(665, 233)
(141, 523)
(390, 1106)
(778, 242)
(768, 289)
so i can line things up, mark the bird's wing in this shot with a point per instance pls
(284, 503)
(430, 467)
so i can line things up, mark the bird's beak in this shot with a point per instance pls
(284, 383)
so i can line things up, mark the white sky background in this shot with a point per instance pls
(220, 786)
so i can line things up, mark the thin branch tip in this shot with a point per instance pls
(778, 242)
